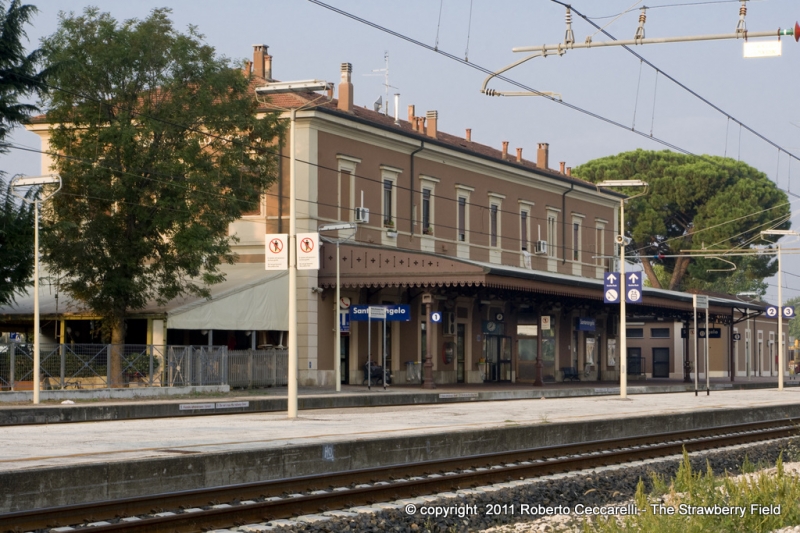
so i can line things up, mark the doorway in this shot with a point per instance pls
(461, 343)
(660, 362)
(635, 366)
(344, 360)
(497, 352)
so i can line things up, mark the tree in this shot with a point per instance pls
(695, 202)
(794, 324)
(18, 79)
(162, 148)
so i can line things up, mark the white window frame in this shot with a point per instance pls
(496, 200)
(552, 231)
(600, 241)
(577, 240)
(389, 174)
(347, 166)
(526, 207)
(427, 183)
(463, 191)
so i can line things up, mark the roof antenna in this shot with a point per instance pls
(377, 104)
(386, 85)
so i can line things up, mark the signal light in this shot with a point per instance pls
(796, 32)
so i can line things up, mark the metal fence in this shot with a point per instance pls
(81, 366)
(86, 366)
(196, 365)
(258, 368)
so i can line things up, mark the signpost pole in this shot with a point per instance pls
(337, 337)
(696, 343)
(780, 322)
(369, 350)
(623, 327)
(708, 370)
(384, 353)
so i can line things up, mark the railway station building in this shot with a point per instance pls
(512, 251)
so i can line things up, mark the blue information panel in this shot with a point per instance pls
(787, 311)
(344, 321)
(394, 313)
(436, 317)
(611, 288)
(633, 288)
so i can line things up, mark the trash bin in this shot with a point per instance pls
(413, 372)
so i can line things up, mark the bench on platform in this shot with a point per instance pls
(571, 373)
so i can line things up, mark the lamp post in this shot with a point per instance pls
(337, 339)
(623, 345)
(19, 182)
(306, 86)
(780, 303)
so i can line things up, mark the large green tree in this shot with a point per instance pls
(696, 202)
(162, 149)
(19, 79)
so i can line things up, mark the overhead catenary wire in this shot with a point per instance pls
(480, 68)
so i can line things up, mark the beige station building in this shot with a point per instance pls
(512, 248)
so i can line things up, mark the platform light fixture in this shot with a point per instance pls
(17, 183)
(622, 241)
(781, 356)
(337, 338)
(285, 87)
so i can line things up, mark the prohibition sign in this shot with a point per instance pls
(307, 245)
(275, 246)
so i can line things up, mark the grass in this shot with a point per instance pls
(764, 489)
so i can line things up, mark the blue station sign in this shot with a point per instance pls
(394, 313)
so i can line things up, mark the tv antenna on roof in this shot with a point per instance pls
(386, 85)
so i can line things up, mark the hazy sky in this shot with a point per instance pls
(309, 41)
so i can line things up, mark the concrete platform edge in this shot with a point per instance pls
(43, 487)
(153, 408)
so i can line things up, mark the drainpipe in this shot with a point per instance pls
(564, 223)
(411, 191)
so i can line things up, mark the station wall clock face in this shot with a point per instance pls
(491, 326)
(499, 317)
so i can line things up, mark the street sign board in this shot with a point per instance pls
(633, 288)
(788, 312)
(436, 317)
(772, 311)
(700, 301)
(713, 333)
(376, 313)
(277, 252)
(737, 336)
(308, 251)
(394, 313)
(762, 49)
(545, 322)
(344, 321)
(611, 288)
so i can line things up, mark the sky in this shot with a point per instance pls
(309, 41)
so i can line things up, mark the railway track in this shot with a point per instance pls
(220, 507)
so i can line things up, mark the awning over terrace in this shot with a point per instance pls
(250, 298)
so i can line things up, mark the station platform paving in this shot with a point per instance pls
(56, 464)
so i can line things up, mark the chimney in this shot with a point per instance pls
(569, 171)
(563, 166)
(469, 135)
(346, 89)
(543, 155)
(505, 149)
(433, 119)
(411, 116)
(260, 59)
(519, 155)
(268, 67)
(247, 69)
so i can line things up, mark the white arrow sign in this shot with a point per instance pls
(611, 278)
(633, 278)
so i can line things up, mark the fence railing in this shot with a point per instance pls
(258, 368)
(86, 366)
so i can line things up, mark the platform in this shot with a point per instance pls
(56, 464)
